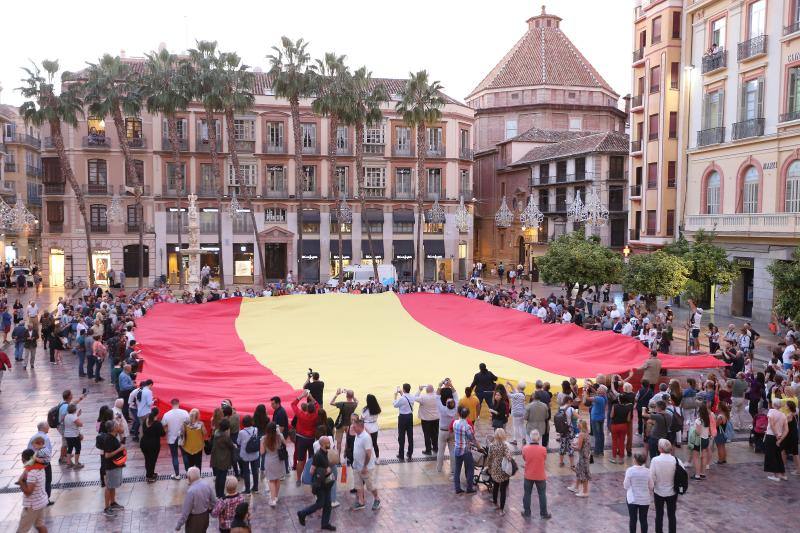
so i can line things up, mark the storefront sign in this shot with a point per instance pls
(310, 257)
(744, 262)
(404, 257)
(434, 256)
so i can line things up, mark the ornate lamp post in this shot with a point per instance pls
(531, 216)
(575, 209)
(462, 217)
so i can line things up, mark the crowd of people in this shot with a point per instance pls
(268, 447)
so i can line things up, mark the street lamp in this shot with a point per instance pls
(436, 214)
(504, 217)
(462, 217)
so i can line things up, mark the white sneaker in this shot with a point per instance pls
(334, 505)
(773, 478)
(176, 477)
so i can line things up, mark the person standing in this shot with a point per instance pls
(471, 402)
(281, 420)
(42, 430)
(307, 418)
(271, 444)
(197, 504)
(582, 473)
(34, 498)
(31, 338)
(597, 415)
(249, 454)
(321, 486)
(221, 456)
(639, 486)
(225, 508)
(518, 426)
(483, 384)
(194, 438)
(150, 443)
(173, 422)
(144, 400)
(464, 438)
(404, 403)
(429, 418)
(498, 452)
(535, 456)
(536, 416)
(364, 467)
(19, 334)
(447, 414)
(114, 458)
(346, 409)
(72, 434)
(315, 386)
(370, 415)
(662, 472)
(777, 430)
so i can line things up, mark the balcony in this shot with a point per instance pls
(54, 188)
(346, 149)
(794, 27)
(48, 144)
(374, 192)
(403, 195)
(24, 138)
(55, 227)
(467, 154)
(402, 151)
(123, 189)
(137, 143)
(276, 193)
(636, 146)
(97, 141)
(432, 196)
(710, 136)
(753, 47)
(744, 224)
(638, 55)
(790, 116)
(715, 61)
(97, 189)
(748, 128)
(10, 166)
(207, 192)
(636, 191)
(435, 151)
(133, 227)
(272, 148)
(183, 144)
(172, 227)
(202, 144)
(33, 171)
(637, 101)
(374, 148)
(98, 228)
(244, 146)
(674, 84)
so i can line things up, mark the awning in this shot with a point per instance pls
(310, 250)
(373, 215)
(403, 215)
(347, 248)
(433, 249)
(310, 216)
(403, 249)
(377, 247)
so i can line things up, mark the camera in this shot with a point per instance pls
(310, 373)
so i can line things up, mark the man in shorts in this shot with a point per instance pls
(346, 409)
(34, 497)
(364, 467)
(112, 451)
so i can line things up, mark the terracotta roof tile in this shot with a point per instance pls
(609, 142)
(549, 136)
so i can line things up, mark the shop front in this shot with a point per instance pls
(742, 291)
(243, 265)
(377, 250)
(101, 260)
(404, 259)
(347, 255)
(309, 261)
(434, 253)
(130, 261)
(56, 267)
(172, 263)
(210, 257)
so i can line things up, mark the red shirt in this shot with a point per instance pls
(306, 421)
(535, 457)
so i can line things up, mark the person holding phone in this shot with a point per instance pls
(404, 402)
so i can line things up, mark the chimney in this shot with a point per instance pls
(627, 99)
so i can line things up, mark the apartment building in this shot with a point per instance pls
(20, 177)
(742, 133)
(657, 81)
(265, 145)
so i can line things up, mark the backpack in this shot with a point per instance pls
(100, 441)
(561, 423)
(677, 421)
(680, 481)
(253, 444)
(53, 416)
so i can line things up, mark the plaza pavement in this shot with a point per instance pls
(414, 495)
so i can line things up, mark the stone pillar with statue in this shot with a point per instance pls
(193, 252)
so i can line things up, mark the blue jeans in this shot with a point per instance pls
(219, 481)
(247, 468)
(541, 489)
(599, 436)
(90, 370)
(469, 470)
(174, 449)
(81, 362)
(323, 502)
(18, 350)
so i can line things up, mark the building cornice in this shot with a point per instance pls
(557, 107)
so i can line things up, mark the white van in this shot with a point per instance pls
(364, 273)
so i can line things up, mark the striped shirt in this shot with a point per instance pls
(464, 436)
(37, 499)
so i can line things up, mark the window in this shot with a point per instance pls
(465, 144)
(655, 37)
(752, 100)
(375, 227)
(403, 140)
(274, 135)
(133, 128)
(244, 129)
(750, 191)
(172, 220)
(616, 198)
(652, 175)
(671, 180)
(133, 216)
(511, 128)
(175, 176)
(575, 123)
(208, 182)
(96, 127)
(713, 106)
(374, 135)
(275, 215)
(652, 128)
(580, 168)
(793, 188)
(674, 75)
(544, 200)
(429, 227)
(98, 217)
(561, 171)
(463, 184)
(718, 33)
(756, 18)
(208, 220)
(98, 172)
(670, 222)
(309, 178)
(138, 179)
(276, 178)
(342, 138)
(402, 227)
(183, 130)
(676, 24)
(341, 181)
(435, 140)
(713, 184)
(435, 182)
(374, 182)
(655, 79)
(308, 136)
(652, 222)
(402, 183)
(793, 103)
(616, 167)
(544, 173)
(241, 222)
(248, 173)
(673, 124)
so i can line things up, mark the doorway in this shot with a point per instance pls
(521, 250)
(275, 259)
(747, 294)
(56, 268)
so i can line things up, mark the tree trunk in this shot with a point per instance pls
(294, 104)
(334, 182)
(362, 200)
(66, 172)
(422, 150)
(172, 132)
(243, 187)
(130, 170)
(219, 186)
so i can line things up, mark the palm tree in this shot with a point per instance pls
(44, 106)
(204, 71)
(236, 94)
(168, 92)
(332, 83)
(420, 105)
(364, 109)
(293, 78)
(112, 88)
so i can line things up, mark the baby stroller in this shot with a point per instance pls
(760, 423)
(482, 477)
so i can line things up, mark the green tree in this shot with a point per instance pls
(655, 274)
(420, 105)
(168, 91)
(708, 263)
(112, 88)
(293, 77)
(574, 259)
(44, 106)
(786, 283)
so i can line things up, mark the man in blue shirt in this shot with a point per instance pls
(125, 386)
(20, 335)
(597, 416)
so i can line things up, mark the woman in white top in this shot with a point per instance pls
(370, 415)
(777, 430)
(72, 434)
(701, 454)
(639, 487)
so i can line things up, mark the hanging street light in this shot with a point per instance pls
(344, 213)
(531, 216)
(234, 208)
(594, 212)
(18, 218)
(462, 217)
(114, 213)
(575, 209)
(504, 217)
(436, 213)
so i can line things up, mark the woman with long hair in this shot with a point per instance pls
(194, 438)
(150, 443)
(790, 443)
(755, 393)
(216, 418)
(370, 415)
(724, 434)
(500, 408)
(274, 471)
(260, 421)
(499, 450)
(701, 453)
(582, 473)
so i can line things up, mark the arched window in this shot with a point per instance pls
(793, 188)
(713, 199)
(750, 190)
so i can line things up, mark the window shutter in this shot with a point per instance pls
(706, 111)
(792, 90)
(55, 212)
(743, 102)
(760, 101)
(164, 128)
(720, 108)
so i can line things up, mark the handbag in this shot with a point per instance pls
(121, 458)
(509, 466)
(207, 446)
(283, 453)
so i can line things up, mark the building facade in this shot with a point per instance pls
(20, 177)
(742, 133)
(265, 145)
(657, 79)
(542, 92)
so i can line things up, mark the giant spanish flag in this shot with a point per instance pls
(249, 350)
